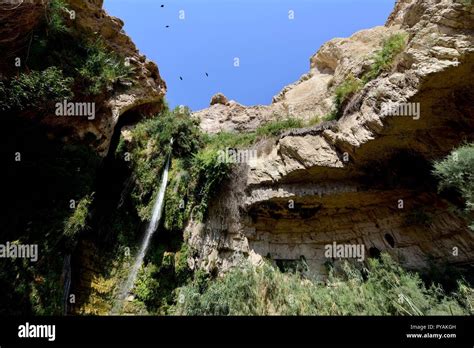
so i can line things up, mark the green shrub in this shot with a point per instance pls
(313, 121)
(344, 92)
(384, 59)
(176, 210)
(146, 284)
(388, 290)
(276, 127)
(77, 222)
(102, 69)
(55, 16)
(224, 140)
(208, 173)
(38, 89)
(456, 172)
(181, 268)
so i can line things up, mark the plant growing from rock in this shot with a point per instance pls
(456, 171)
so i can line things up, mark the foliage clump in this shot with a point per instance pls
(344, 92)
(55, 16)
(386, 290)
(77, 222)
(62, 65)
(385, 58)
(101, 69)
(456, 172)
(38, 89)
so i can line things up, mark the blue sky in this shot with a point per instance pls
(273, 49)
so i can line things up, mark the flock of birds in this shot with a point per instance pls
(181, 78)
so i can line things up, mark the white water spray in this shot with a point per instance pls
(153, 224)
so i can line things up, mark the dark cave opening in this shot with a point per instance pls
(388, 237)
(405, 169)
(374, 253)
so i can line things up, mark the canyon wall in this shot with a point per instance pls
(364, 179)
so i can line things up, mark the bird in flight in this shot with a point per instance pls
(181, 78)
(207, 74)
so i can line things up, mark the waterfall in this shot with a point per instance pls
(67, 282)
(153, 224)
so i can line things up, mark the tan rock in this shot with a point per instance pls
(218, 98)
(337, 176)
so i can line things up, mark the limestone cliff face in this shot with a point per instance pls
(343, 181)
(144, 94)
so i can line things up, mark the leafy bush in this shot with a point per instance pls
(157, 281)
(146, 284)
(38, 89)
(92, 65)
(77, 222)
(456, 172)
(344, 92)
(388, 290)
(224, 140)
(176, 210)
(55, 16)
(384, 59)
(208, 173)
(181, 268)
(102, 69)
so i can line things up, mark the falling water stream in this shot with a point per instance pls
(153, 224)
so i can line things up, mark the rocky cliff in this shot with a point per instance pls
(364, 179)
(85, 20)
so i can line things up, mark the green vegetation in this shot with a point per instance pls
(102, 69)
(38, 89)
(383, 61)
(387, 290)
(59, 66)
(456, 172)
(196, 171)
(55, 16)
(268, 129)
(274, 128)
(77, 222)
(208, 171)
(40, 188)
(149, 149)
(344, 92)
(157, 281)
(385, 58)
